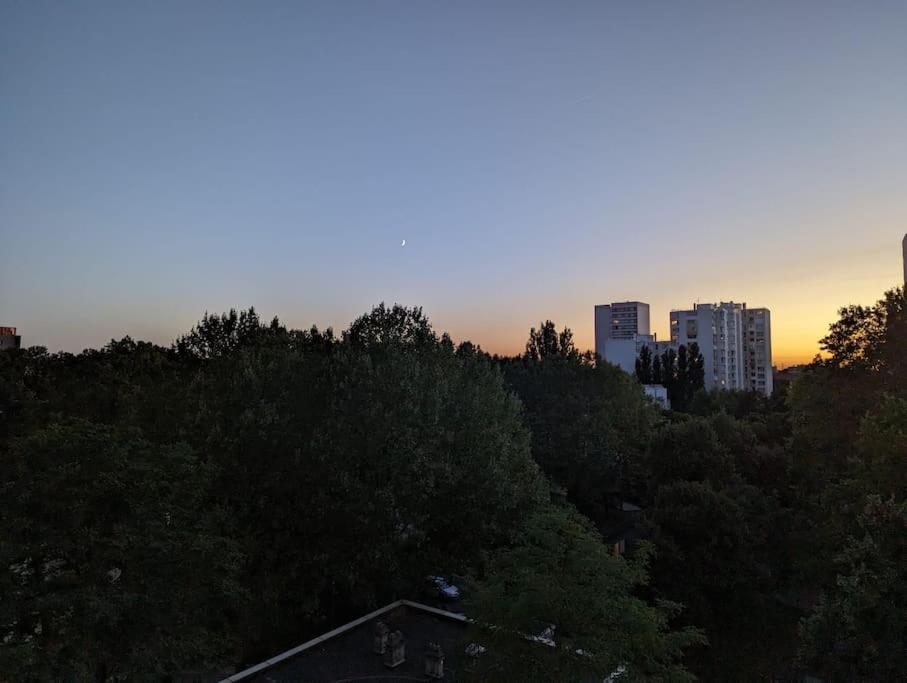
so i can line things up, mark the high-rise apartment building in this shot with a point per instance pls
(758, 344)
(617, 327)
(735, 343)
(9, 339)
(718, 330)
(620, 320)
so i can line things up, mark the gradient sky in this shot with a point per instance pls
(161, 159)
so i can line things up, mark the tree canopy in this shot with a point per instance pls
(559, 606)
(163, 506)
(117, 567)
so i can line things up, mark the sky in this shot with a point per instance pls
(163, 159)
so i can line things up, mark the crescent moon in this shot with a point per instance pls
(403, 243)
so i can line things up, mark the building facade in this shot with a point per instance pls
(624, 352)
(621, 320)
(735, 343)
(758, 342)
(657, 393)
(9, 339)
(618, 327)
(718, 330)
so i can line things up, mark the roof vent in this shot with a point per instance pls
(434, 661)
(395, 654)
(380, 644)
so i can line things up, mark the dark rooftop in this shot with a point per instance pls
(346, 653)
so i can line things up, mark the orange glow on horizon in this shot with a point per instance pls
(800, 317)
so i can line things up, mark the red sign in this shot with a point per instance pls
(7, 330)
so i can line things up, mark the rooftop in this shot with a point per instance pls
(347, 653)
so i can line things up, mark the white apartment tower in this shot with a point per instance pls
(718, 330)
(617, 327)
(621, 320)
(735, 343)
(758, 344)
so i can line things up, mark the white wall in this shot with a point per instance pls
(623, 353)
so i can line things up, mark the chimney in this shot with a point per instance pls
(380, 644)
(434, 661)
(395, 654)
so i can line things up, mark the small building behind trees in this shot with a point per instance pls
(659, 394)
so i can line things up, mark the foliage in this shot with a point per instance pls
(871, 338)
(388, 328)
(116, 567)
(717, 523)
(644, 368)
(701, 531)
(682, 372)
(559, 606)
(367, 460)
(704, 456)
(217, 336)
(858, 631)
(589, 422)
(350, 466)
(356, 464)
(849, 423)
(881, 446)
(867, 359)
(548, 343)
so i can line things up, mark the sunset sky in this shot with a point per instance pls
(161, 159)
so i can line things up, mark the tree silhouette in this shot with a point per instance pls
(644, 366)
(548, 343)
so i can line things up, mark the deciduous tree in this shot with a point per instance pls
(114, 563)
(558, 606)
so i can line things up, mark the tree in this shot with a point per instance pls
(589, 424)
(221, 335)
(351, 466)
(125, 382)
(23, 384)
(546, 343)
(395, 327)
(688, 450)
(669, 371)
(681, 388)
(682, 365)
(847, 417)
(682, 373)
(829, 402)
(356, 469)
(882, 449)
(559, 606)
(858, 630)
(711, 547)
(719, 541)
(644, 366)
(866, 359)
(871, 338)
(695, 370)
(114, 564)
